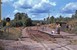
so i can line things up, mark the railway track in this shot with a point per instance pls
(38, 40)
(64, 47)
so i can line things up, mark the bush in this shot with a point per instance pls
(74, 30)
(19, 23)
(4, 23)
(16, 23)
(28, 22)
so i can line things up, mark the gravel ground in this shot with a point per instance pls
(42, 40)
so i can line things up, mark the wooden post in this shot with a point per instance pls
(0, 15)
(0, 10)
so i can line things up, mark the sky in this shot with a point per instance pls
(39, 9)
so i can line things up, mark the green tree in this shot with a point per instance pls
(44, 21)
(60, 18)
(28, 22)
(52, 19)
(4, 22)
(48, 20)
(75, 14)
(22, 19)
(18, 16)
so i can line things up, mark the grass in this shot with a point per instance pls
(74, 30)
(13, 34)
(73, 42)
(73, 23)
(52, 26)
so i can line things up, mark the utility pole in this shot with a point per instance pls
(0, 15)
(0, 10)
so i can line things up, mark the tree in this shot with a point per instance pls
(22, 19)
(4, 22)
(52, 19)
(76, 12)
(66, 19)
(48, 20)
(75, 15)
(44, 21)
(60, 18)
(28, 22)
(24, 16)
(18, 16)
